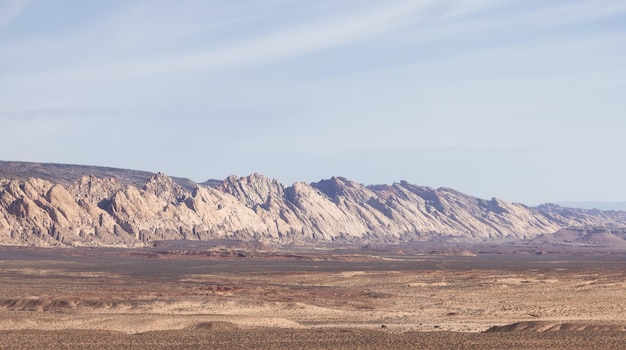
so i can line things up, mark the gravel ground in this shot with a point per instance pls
(310, 339)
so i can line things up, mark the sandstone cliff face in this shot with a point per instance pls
(40, 213)
(104, 211)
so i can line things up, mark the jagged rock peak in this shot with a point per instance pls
(254, 189)
(251, 179)
(94, 189)
(333, 187)
(337, 186)
(90, 180)
(164, 187)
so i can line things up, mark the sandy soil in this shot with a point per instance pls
(111, 299)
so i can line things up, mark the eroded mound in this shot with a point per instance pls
(547, 326)
(53, 304)
(213, 326)
(36, 304)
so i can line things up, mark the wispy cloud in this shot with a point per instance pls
(10, 9)
(278, 44)
(135, 45)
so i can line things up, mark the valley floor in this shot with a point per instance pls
(106, 298)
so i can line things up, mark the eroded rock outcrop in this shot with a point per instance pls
(104, 211)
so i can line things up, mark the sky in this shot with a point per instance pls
(523, 100)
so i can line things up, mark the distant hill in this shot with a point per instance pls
(595, 205)
(613, 237)
(66, 174)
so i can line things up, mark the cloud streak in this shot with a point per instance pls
(10, 10)
(284, 43)
(281, 44)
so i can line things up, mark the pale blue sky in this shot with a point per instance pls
(522, 100)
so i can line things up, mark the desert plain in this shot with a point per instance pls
(428, 297)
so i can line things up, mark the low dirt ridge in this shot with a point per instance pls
(49, 205)
(547, 326)
(58, 305)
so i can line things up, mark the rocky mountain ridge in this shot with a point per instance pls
(109, 211)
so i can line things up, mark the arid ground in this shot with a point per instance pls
(220, 297)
